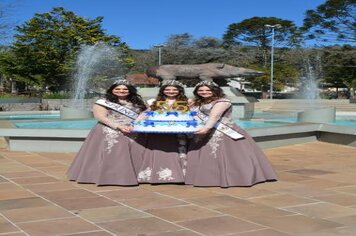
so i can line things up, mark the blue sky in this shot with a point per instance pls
(144, 23)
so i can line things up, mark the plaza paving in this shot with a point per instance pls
(315, 195)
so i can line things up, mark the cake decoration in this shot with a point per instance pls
(169, 119)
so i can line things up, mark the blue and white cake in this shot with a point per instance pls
(168, 122)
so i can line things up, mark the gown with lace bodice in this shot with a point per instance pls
(215, 159)
(164, 159)
(108, 156)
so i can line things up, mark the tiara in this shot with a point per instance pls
(208, 83)
(172, 82)
(122, 82)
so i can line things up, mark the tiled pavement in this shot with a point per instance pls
(315, 196)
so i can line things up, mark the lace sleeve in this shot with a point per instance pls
(101, 114)
(216, 112)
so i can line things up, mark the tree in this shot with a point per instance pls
(254, 37)
(339, 66)
(183, 49)
(46, 46)
(178, 40)
(253, 32)
(332, 21)
(5, 82)
(207, 42)
(143, 60)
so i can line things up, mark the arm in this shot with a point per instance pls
(142, 115)
(215, 114)
(190, 103)
(101, 114)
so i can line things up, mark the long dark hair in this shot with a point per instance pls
(161, 97)
(217, 94)
(133, 96)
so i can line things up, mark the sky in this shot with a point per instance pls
(141, 24)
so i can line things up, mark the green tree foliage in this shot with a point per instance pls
(46, 47)
(253, 32)
(284, 75)
(332, 21)
(9, 67)
(339, 66)
(256, 38)
(4, 53)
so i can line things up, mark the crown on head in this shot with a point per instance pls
(208, 83)
(122, 82)
(171, 82)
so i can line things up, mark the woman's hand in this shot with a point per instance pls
(202, 130)
(142, 116)
(124, 128)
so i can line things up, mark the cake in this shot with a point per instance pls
(168, 122)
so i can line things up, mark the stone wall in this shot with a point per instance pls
(303, 104)
(40, 105)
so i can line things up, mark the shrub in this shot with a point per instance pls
(57, 95)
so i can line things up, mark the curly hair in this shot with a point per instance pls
(133, 96)
(161, 97)
(217, 93)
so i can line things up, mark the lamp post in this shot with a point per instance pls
(272, 52)
(159, 46)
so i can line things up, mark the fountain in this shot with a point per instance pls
(94, 64)
(98, 62)
(310, 92)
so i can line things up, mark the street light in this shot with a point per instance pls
(272, 52)
(159, 46)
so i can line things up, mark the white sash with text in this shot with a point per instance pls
(221, 127)
(116, 107)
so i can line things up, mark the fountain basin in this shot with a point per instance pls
(21, 135)
(73, 113)
(318, 115)
(44, 140)
(70, 140)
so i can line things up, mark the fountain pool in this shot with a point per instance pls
(89, 123)
(51, 120)
(40, 133)
(30, 116)
(260, 120)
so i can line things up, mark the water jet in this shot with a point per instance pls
(94, 64)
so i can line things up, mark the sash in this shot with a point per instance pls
(221, 127)
(116, 107)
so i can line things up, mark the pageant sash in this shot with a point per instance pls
(116, 107)
(221, 127)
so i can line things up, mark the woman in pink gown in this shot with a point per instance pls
(164, 158)
(216, 159)
(111, 155)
